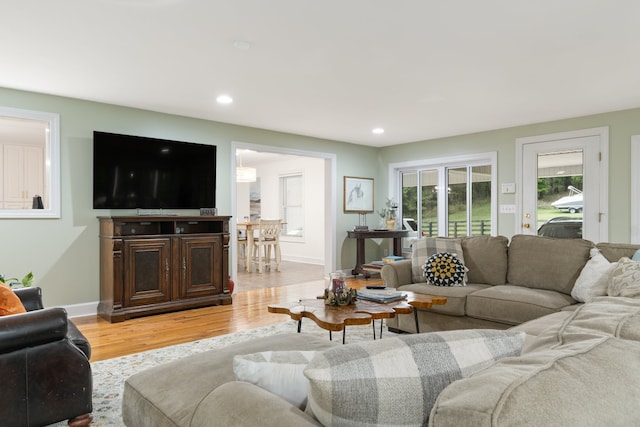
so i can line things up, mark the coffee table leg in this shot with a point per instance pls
(381, 325)
(330, 336)
(415, 316)
(299, 325)
(373, 323)
(344, 334)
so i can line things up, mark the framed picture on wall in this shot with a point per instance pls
(358, 194)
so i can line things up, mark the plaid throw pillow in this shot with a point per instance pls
(395, 381)
(422, 249)
(444, 269)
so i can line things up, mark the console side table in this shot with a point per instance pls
(396, 235)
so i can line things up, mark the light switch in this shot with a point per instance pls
(508, 188)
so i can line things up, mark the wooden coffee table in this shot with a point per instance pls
(363, 312)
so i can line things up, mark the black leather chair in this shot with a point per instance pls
(44, 367)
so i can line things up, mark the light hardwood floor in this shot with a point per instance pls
(248, 311)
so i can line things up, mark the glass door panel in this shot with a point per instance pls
(480, 200)
(560, 198)
(429, 196)
(457, 201)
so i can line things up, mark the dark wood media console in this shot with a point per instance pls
(156, 264)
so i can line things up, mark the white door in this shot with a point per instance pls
(563, 185)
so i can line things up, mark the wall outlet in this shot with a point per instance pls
(508, 209)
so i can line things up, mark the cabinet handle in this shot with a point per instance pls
(166, 269)
(184, 268)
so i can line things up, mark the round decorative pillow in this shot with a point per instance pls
(444, 269)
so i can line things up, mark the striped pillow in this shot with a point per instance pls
(395, 381)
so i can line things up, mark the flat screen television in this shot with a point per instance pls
(134, 172)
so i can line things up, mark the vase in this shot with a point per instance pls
(391, 224)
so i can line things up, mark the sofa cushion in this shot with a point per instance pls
(581, 371)
(394, 381)
(593, 382)
(614, 251)
(444, 269)
(424, 248)
(486, 259)
(624, 280)
(514, 304)
(546, 262)
(456, 296)
(9, 301)
(593, 279)
(241, 404)
(280, 372)
(161, 397)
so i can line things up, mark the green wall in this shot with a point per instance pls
(63, 253)
(622, 125)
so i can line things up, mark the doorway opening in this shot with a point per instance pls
(296, 187)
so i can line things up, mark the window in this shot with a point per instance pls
(292, 211)
(454, 195)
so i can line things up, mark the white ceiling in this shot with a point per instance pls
(333, 69)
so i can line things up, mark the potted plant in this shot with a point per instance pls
(14, 282)
(388, 214)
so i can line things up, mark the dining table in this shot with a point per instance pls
(249, 227)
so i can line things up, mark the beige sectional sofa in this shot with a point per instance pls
(577, 367)
(508, 283)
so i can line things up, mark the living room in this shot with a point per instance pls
(63, 252)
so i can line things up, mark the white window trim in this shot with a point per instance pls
(284, 237)
(477, 159)
(635, 188)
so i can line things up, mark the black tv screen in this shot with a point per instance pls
(132, 172)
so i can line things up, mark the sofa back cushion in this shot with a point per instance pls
(614, 251)
(486, 259)
(580, 371)
(546, 262)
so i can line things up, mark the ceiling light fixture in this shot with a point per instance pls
(224, 99)
(244, 174)
(378, 131)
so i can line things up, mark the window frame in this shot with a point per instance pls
(442, 165)
(282, 178)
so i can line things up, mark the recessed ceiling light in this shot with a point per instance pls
(224, 99)
(377, 131)
(241, 44)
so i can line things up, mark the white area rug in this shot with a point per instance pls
(109, 375)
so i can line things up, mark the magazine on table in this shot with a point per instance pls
(381, 295)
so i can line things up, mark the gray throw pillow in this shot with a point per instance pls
(395, 381)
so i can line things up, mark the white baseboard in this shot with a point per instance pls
(305, 260)
(82, 310)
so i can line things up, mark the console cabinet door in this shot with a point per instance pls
(147, 272)
(200, 266)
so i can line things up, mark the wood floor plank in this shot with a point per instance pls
(248, 311)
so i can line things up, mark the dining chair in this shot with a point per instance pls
(242, 249)
(267, 246)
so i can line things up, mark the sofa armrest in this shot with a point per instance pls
(242, 404)
(32, 328)
(397, 273)
(30, 297)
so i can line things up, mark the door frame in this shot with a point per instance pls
(330, 204)
(635, 188)
(602, 133)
